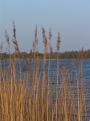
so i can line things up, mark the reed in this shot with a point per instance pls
(33, 97)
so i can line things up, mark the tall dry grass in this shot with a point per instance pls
(34, 97)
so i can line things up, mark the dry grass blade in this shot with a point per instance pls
(33, 94)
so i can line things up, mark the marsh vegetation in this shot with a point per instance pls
(36, 96)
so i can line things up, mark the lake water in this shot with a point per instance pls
(72, 67)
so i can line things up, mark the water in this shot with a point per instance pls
(72, 67)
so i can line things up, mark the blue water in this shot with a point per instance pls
(72, 67)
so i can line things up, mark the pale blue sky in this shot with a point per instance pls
(70, 17)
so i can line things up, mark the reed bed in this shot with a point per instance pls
(33, 97)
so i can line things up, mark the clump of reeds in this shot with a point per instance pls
(34, 97)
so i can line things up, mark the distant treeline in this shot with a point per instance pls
(82, 54)
(65, 55)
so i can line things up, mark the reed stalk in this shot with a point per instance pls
(34, 97)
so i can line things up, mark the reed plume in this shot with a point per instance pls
(16, 47)
(36, 95)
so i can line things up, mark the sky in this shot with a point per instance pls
(69, 17)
